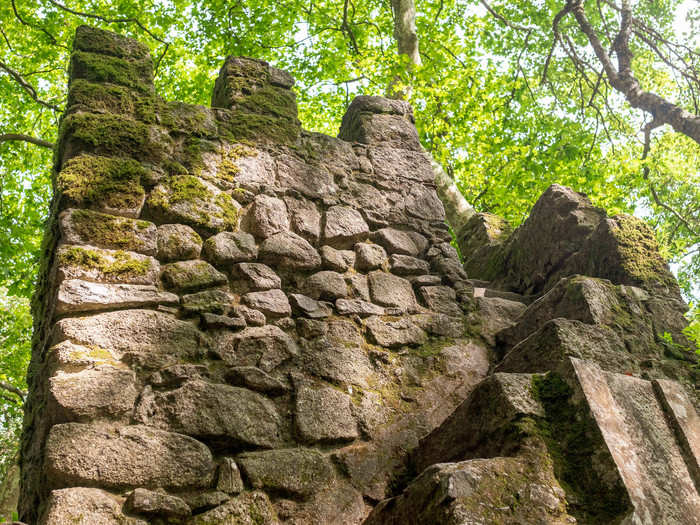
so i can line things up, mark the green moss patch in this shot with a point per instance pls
(110, 231)
(105, 182)
(136, 74)
(109, 98)
(96, 40)
(106, 134)
(639, 252)
(187, 118)
(242, 126)
(572, 442)
(121, 264)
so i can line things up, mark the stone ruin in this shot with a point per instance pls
(242, 322)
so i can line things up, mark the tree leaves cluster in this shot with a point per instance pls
(510, 97)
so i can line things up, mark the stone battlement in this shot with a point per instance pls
(239, 321)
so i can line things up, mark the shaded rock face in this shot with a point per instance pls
(266, 325)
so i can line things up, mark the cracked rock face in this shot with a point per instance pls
(272, 326)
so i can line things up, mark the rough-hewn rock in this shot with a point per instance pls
(249, 508)
(395, 333)
(389, 290)
(151, 339)
(130, 456)
(324, 414)
(229, 478)
(178, 242)
(273, 303)
(267, 216)
(156, 504)
(190, 276)
(325, 285)
(288, 250)
(253, 277)
(227, 248)
(344, 226)
(337, 260)
(75, 295)
(295, 471)
(265, 347)
(104, 392)
(215, 413)
(85, 506)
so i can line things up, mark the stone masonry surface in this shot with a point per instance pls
(241, 322)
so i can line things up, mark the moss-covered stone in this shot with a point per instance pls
(106, 265)
(190, 276)
(104, 134)
(190, 200)
(104, 183)
(109, 98)
(242, 126)
(135, 74)
(187, 118)
(108, 231)
(95, 40)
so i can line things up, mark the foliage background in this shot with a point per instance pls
(483, 109)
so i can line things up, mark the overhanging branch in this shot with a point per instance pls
(7, 137)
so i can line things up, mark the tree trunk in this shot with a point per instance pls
(457, 209)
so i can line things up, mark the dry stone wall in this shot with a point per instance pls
(241, 322)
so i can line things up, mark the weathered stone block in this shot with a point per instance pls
(253, 277)
(215, 413)
(208, 301)
(294, 471)
(337, 260)
(75, 295)
(108, 231)
(227, 248)
(344, 227)
(369, 256)
(389, 290)
(177, 242)
(273, 303)
(324, 414)
(407, 265)
(190, 276)
(189, 200)
(267, 216)
(104, 392)
(288, 250)
(157, 504)
(263, 346)
(249, 508)
(394, 333)
(85, 506)
(107, 266)
(325, 285)
(151, 339)
(132, 456)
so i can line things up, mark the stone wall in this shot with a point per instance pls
(238, 321)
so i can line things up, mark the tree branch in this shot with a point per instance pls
(26, 138)
(623, 80)
(503, 19)
(13, 389)
(26, 86)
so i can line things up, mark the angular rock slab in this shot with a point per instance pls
(214, 412)
(75, 295)
(288, 250)
(645, 449)
(128, 457)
